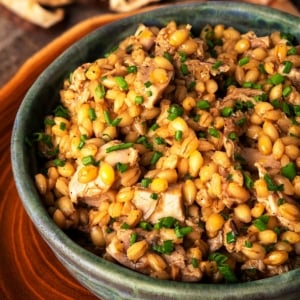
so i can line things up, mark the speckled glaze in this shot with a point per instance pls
(107, 280)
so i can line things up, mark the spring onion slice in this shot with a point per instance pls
(119, 147)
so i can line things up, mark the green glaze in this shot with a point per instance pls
(105, 279)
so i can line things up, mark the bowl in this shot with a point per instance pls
(103, 278)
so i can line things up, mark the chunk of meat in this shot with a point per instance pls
(241, 94)
(143, 201)
(198, 69)
(154, 91)
(254, 264)
(145, 37)
(229, 228)
(255, 156)
(124, 156)
(257, 42)
(216, 243)
(170, 204)
(116, 251)
(179, 259)
(91, 193)
(162, 44)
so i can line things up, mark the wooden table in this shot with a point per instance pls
(19, 39)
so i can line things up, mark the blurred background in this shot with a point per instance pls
(28, 25)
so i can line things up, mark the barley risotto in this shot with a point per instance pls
(177, 154)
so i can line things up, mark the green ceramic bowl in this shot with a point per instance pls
(103, 278)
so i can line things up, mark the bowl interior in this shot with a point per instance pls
(105, 279)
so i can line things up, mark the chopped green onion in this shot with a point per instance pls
(61, 111)
(166, 222)
(178, 135)
(133, 238)
(83, 138)
(167, 247)
(224, 268)
(155, 157)
(121, 167)
(62, 126)
(216, 65)
(184, 69)
(118, 147)
(149, 93)
(183, 231)
(125, 226)
(230, 237)
(145, 182)
(182, 56)
(44, 138)
(277, 79)
(168, 56)
(143, 140)
(257, 86)
(296, 109)
(154, 196)
(49, 122)
(262, 69)
(261, 97)
(289, 171)
(261, 222)
(288, 65)
(145, 225)
(292, 51)
(139, 99)
(121, 82)
(195, 262)
(275, 103)
(58, 162)
(286, 91)
(92, 114)
(232, 136)
(247, 84)
(203, 104)
(227, 273)
(280, 201)
(243, 61)
(196, 117)
(249, 183)
(241, 121)
(288, 36)
(248, 244)
(213, 132)
(110, 122)
(271, 185)
(160, 141)
(175, 111)
(147, 84)
(132, 69)
(88, 160)
(226, 112)
(100, 91)
(191, 86)
(154, 126)
(286, 109)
